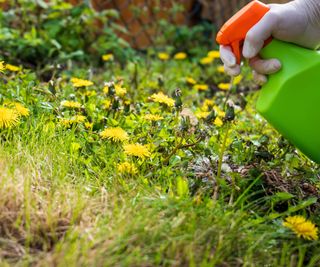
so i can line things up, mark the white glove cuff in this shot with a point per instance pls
(311, 9)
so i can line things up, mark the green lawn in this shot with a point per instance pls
(210, 184)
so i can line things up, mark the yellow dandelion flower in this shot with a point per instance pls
(21, 110)
(180, 56)
(106, 89)
(206, 60)
(78, 119)
(90, 93)
(302, 227)
(80, 82)
(120, 91)
(70, 104)
(237, 79)
(12, 68)
(224, 86)
(191, 81)
(127, 168)
(115, 134)
(137, 150)
(107, 57)
(162, 98)
(201, 87)
(151, 117)
(218, 122)
(163, 56)
(73, 120)
(8, 117)
(65, 122)
(202, 114)
(220, 112)
(214, 54)
(106, 103)
(207, 105)
(220, 69)
(2, 67)
(88, 125)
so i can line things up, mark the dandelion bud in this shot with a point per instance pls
(160, 81)
(115, 104)
(230, 115)
(111, 89)
(126, 106)
(178, 101)
(72, 96)
(51, 87)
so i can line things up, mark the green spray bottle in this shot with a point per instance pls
(290, 100)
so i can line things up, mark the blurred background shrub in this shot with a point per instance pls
(38, 32)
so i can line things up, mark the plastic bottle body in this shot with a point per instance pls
(290, 100)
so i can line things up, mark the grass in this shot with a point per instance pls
(208, 194)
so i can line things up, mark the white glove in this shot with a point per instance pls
(296, 22)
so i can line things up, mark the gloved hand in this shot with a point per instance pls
(296, 22)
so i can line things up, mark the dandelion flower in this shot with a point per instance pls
(191, 81)
(8, 117)
(220, 69)
(207, 105)
(90, 93)
(88, 125)
(218, 122)
(224, 86)
(163, 56)
(127, 168)
(151, 117)
(214, 54)
(120, 91)
(65, 122)
(80, 82)
(2, 67)
(237, 79)
(220, 112)
(116, 134)
(180, 56)
(206, 60)
(302, 227)
(78, 119)
(21, 110)
(106, 89)
(137, 150)
(107, 57)
(201, 87)
(162, 98)
(12, 68)
(106, 103)
(202, 114)
(70, 104)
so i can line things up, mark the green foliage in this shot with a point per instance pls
(37, 32)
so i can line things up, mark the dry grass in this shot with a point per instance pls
(34, 215)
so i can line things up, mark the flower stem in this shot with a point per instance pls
(221, 154)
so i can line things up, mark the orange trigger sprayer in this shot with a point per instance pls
(290, 99)
(235, 30)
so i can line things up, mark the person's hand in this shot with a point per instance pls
(296, 22)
